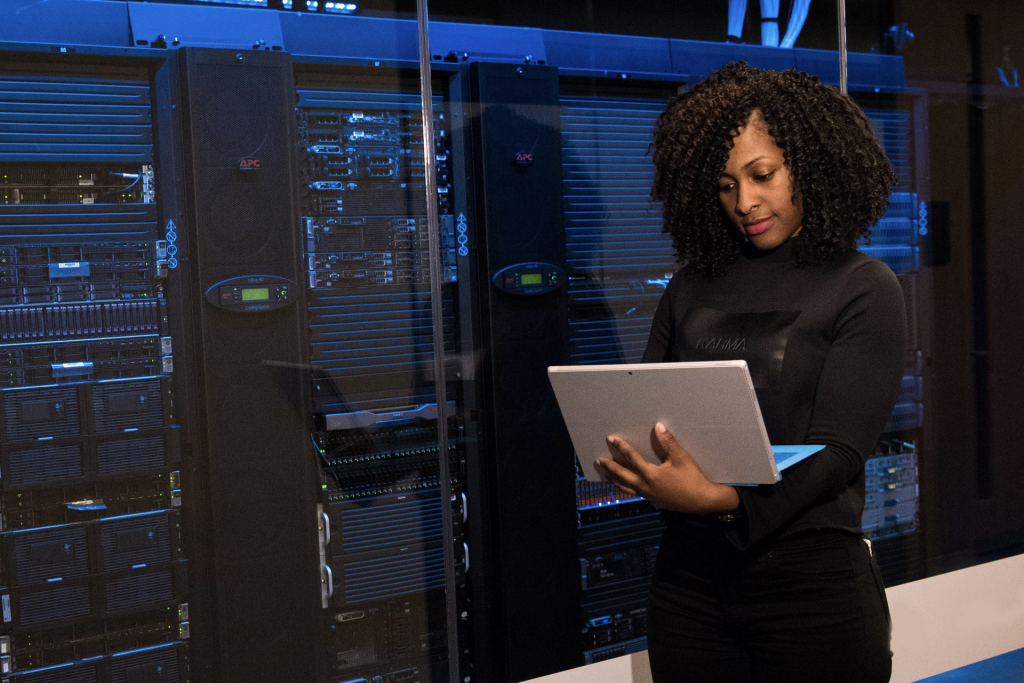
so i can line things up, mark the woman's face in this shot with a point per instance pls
(756, 190)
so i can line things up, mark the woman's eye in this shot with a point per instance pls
(763, 178)
(725, 188)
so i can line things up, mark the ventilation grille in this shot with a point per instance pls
(893, 129)
(139, 591)
(383, 335)
(393, 575)
(50, 554)
(128, 222)
(899, 259)
(157, 665)
(128, 405)
(391, 522)
(619, 258)
(57, 604)
(41, 413)
(68, 118)
(611, 597)
(37, 465)
(139, 540)
(119, 457)
(82, 673)
(353, 99)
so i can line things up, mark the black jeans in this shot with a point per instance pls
(806, 608)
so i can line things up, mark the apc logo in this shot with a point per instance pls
(524, 158)
(249, 164)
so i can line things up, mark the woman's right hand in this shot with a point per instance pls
(676, 484)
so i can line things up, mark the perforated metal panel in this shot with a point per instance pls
(139, 591)
(40, 413)
(123, 456)
(50, 554)
(136, 541)
(119, 406)
(51, 463)
(152, 664)
(399, 573)
(54, 605)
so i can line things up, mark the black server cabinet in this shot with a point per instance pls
(250, 362)
(523, 298)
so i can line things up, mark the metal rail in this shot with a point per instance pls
(434, 235)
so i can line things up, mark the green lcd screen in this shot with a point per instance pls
(530, 279)
(256, 294)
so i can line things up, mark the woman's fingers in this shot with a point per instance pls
(623, 478)
(626, 455)
(666, 447)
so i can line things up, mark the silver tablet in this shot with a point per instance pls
(711, 408)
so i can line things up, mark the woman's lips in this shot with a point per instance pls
(757, 227)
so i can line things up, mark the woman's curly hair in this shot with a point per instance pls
(840, 173)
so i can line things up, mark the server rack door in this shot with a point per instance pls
(93, 569)
(251, 361)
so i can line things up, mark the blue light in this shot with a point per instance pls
(143, 649)
(340, 7)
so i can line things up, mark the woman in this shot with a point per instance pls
(767, 181)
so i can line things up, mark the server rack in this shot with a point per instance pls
(891, 512)
(364, 228)
(620, 261)
(94, 567)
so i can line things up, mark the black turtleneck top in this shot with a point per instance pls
(826, 347)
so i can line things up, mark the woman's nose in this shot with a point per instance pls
(746, 199)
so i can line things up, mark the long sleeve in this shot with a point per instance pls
(854, 397)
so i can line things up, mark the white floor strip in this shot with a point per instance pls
(940, 623)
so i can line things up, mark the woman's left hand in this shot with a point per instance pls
(676, 484)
